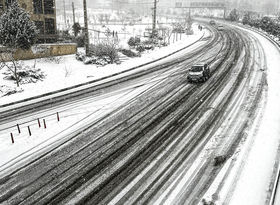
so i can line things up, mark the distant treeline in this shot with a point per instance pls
(271, 26)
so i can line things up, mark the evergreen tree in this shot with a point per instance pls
(246, 18)
(17, 31)
(77, 29)
(16, 28)
(234, 16)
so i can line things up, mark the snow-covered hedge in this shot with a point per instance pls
(266, 24)
(100, 54)
(7, 90)
(26, 74)
(102, 61)
(105, 50)
(128, 53)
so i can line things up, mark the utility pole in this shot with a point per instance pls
(73, 8)
(64, 12)
(118, 6)
(86, 28)
(154, 17)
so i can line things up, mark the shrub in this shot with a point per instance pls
(103, 50)
(233, 16)
(8, 90)
(80, 40)
(147, 42)
(131, 42)
(267, 24)
(80, 56)
(178, 28)
(134, 41)
(140, 48)
(137, 40)
(26, 74)
(128, 53)
(76, 28)
(246, 19)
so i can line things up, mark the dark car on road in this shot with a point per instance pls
(199, 73)
(220, 28)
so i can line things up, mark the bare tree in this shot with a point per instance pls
(168, 34)
(122, 18)
(107, 18)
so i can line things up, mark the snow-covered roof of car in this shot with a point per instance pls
(199, 64)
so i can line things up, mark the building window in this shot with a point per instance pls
(49, 26)
(40, 26)
(49, 6)
(38, 6)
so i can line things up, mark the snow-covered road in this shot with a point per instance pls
(166, 141)
(253, 186)
(79, 113)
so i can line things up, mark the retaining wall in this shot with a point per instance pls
(40, 51)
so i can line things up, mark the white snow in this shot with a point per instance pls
(73, 118)
(254, 179)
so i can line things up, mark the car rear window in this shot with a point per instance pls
(196, 68)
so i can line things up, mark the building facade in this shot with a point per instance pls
(42, 12)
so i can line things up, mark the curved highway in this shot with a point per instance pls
(159, 147)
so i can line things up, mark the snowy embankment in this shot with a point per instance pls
(254, 180)
(67, 71)
(252, 169)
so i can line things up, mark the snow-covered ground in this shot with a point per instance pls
(76, 117)
(249, 173)
(73, 119)
(254, 180)
(69, 71)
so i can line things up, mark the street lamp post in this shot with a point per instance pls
(154, 17)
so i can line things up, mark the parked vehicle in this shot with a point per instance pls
(199, 73)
